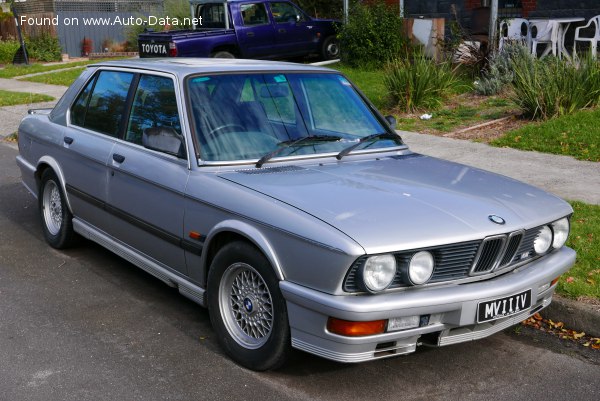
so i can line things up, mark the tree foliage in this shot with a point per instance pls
(372, 36)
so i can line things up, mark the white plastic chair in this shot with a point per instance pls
(511, 30)
(544, 32)
(593, 40)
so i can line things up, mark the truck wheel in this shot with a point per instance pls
(331, 49)
(222, 54)
(247, 310)
(56, 218)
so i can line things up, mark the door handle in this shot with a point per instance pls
(68, 140)
(281, 30)
(118, 158)
(250, 34)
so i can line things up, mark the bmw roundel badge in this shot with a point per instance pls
(496, 219)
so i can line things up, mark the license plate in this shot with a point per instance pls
(503, 307)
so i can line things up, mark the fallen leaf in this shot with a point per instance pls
(590, 281)
(570, 279)
(537, 317)
(577, 336)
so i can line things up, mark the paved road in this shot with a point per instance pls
(86, 325)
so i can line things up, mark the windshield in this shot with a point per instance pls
(249, 116)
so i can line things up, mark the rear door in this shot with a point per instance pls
(254, 29)
(146, 187)
(94, 122)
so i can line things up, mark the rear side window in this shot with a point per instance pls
(213, 15)
(254, 14)
(103, 110)
(154, 105)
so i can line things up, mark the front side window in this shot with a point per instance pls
(154, 105)
(254, 14)
(247, 116)
(103, 110)
(286, 12)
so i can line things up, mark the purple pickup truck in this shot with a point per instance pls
(258, 29)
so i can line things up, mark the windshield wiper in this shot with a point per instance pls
(370, 138)
(288, 144)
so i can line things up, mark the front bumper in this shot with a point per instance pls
(452, 310)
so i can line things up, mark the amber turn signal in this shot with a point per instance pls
(554, 281)
(355, 329)
(195, 235)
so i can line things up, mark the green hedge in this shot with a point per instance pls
(8, 49)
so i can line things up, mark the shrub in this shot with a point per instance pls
(44, 47)
(419, 83)
(372, 36)
(553, 87)
(499, 73)
(8, 48)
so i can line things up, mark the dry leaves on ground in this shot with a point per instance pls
(559, 330)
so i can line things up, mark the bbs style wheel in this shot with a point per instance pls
(56, 217)
(247, 309)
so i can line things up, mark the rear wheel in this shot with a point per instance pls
(247, 309)
(222, 54)
(56, 218)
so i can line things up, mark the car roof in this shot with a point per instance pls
(187, 66)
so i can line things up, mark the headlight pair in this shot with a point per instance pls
(378, 272)
(552, 236)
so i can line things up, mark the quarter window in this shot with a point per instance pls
(154, 105)
(106, 105)
(254, 14)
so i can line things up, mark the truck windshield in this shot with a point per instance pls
(249, 116)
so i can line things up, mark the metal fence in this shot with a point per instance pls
(100, 21)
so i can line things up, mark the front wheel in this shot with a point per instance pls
(330, 49)
(56, 218)
(247, 310)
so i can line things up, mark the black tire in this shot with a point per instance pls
(57, 220)
(330, 49)
(222, 54)
(250, 322)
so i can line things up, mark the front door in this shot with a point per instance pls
(146, 187)
(294, 31)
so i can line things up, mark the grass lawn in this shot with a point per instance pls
(584, 278)
(576, 135)
(64, 78)
(370, 83)
(11, 71)
(13, 98)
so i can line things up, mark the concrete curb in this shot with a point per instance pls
(575, 315)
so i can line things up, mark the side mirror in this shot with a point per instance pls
(164, 139)
(391, 121)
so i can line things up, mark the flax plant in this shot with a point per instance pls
(547, 88)
(419, 83)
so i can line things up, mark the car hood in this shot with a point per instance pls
(406, 201)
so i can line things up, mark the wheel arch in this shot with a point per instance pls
(47, 162)
(232, 230)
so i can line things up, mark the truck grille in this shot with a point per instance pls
(461, 260)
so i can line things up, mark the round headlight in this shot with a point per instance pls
(561, 232)
(543, 241)
(420, 267)
(379, 272)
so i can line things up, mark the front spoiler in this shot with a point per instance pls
(452, 309)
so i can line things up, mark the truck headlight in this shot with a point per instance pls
(561, 232)
(420, 267)
(543, 241)
(378, 272)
